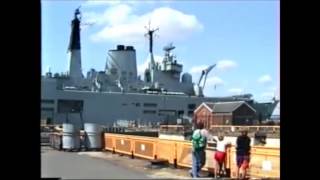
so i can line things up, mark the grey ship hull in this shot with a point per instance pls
(106, 107)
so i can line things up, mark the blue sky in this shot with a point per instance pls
(242, 37)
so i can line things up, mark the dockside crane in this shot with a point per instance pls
(205, 74)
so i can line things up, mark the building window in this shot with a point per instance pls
(150, 105)
(47, 101)
(167, 112)
(191, 106)
(180, 113)
(149, 112)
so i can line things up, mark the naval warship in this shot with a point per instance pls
(118, 93)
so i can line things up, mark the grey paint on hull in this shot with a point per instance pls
(106, 107)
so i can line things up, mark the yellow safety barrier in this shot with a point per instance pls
(109, 142)
(123, 145)
(132, 145)
(184, 153)
(264, 161)
(184, 156)
(166, 149)
(144, 147)
(210, 161)
(228, 158)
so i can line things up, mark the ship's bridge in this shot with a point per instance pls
(170, 63)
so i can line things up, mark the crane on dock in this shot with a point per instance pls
(205, 73)
(198, 89)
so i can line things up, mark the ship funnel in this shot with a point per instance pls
(75, 70)
(123, 61)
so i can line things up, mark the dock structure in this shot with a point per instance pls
(175, 153)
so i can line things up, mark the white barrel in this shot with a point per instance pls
(93, 135)
(70, 138)
(68, 128)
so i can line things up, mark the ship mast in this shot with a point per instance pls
(149, 35)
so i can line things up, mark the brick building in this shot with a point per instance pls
(224, 113)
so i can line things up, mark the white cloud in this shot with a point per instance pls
(267, 95)
(197, 69)
(121, 24)
(142, 67)
(273, 88)
(100, 2)
(265, 79)
(214, 81)
(115, 15)
(235, 90)
(278, 93)
(223, 65)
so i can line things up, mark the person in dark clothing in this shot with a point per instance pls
(243, 153)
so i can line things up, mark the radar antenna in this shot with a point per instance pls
(169, 47)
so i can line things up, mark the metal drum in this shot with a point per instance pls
(70, 138)
(58, 141)
(93, 135)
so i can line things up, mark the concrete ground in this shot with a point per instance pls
(100, 165)
(103, 165)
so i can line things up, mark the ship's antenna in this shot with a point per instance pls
(150, 34)
(77, 12)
